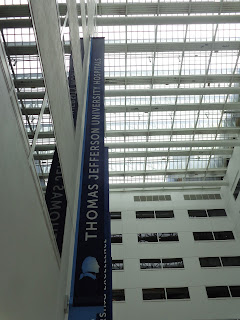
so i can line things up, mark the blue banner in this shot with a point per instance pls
(91, 285)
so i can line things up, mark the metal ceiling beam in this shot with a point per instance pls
(128, 21)
(174, 144)
(165, 107)
(175, 79)
(159, 132)
(158, 144)
(172, 46)
(159, 20)
(171, 92)
(173, 107)
(139, 154)
(214, 183)
(212, 172)
(144, 80)
(148, 92)
(176, 131)
(215, 172)
(121, 9)
(31, 49)
(171, 153)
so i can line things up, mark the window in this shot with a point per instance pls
(223, 291)
(160, 237)
(144, 214)
(197, 213)
(154, 214)
(217, 292)
(177, 293)
(235, 291)
(150, 264)
(203, 236)
(237, 189)
(216, 235)
(115, 215)
(168, 236)
(117, 265)
(216, 212)
(172, 263)
(147, 237)
(165, 293)
(230, 261)
(207, 213)
(154, 294)
(164, 214)
(118, 295)
(223, 235)
(116, 238)
(210, 262)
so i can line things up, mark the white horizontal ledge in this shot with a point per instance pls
(210, 172)
(123, 9)
(148, 92)
(155, 132)
(143, 80)
(174, 144)
(152, 20)
(214, 183)
(171, 92)
(177, 131)
(171, 153)
(136, 20)
(150, 154)
(163, 107)
(173, 107)
(158, 144)
(31, 49)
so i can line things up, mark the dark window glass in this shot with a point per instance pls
(147, 237)
(153, 294)
(237, 189)
(144, 214)
(216, 213)
(115, 215)
(117, 265)
(118, 295)
(197, 213)
(116, 238)
(164, 214)
(150, 263)
(203, 236)
(168, 236)
(217, 292)
(230, 261)
(210, 262)
(235, 291)
(223, 235)
(173, 263)
(177, 293)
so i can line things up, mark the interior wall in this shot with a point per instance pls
(30, 265)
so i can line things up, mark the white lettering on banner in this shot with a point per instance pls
(94, 154)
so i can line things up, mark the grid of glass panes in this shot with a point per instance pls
(177, 63)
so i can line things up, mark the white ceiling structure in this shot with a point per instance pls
(172, 75)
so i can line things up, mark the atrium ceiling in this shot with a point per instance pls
(172, 74)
